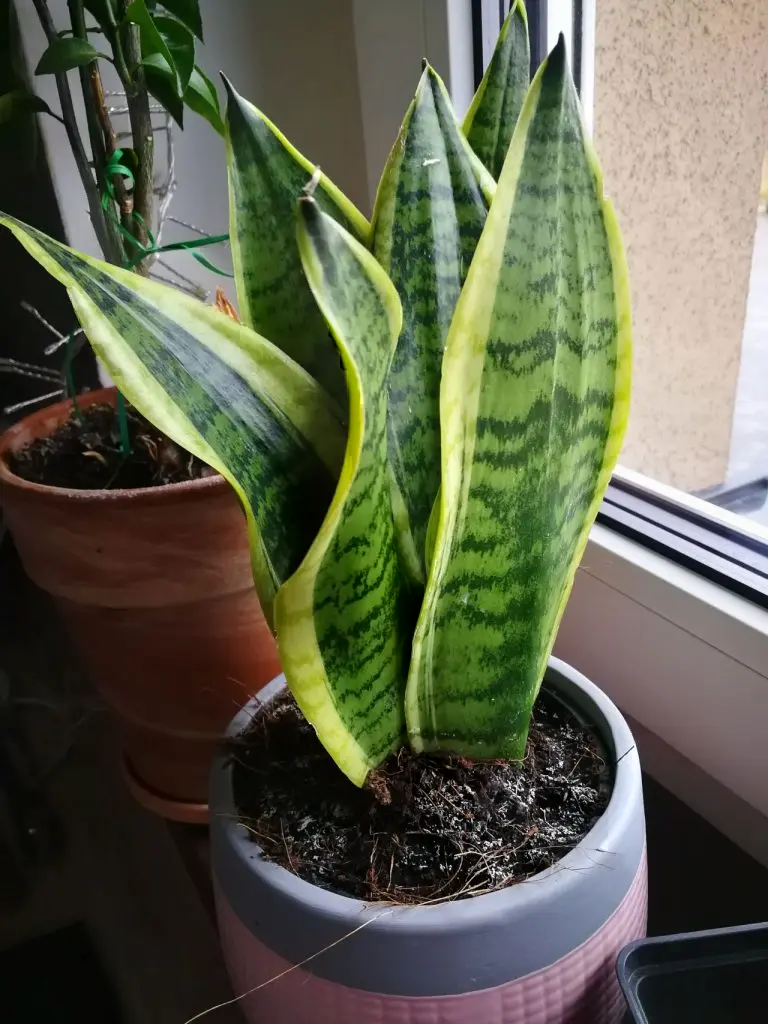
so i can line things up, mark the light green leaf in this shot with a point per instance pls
(19, 101)
(219, 390)
(65, 54)
(493, 113)
(533, 405)
(339, 617)
(266, 174)
(429, 212)
(201, 97)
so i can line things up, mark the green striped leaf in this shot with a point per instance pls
(266, 174)
(339, 617)
(493, 113)
(430, 209)
(217, 388)
(534, 404)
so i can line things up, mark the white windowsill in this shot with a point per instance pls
(687, 661)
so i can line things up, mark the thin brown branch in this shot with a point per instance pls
(124, 196)
(90, 186)
(115, 253)
(141, 127)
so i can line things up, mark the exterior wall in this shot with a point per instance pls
(681, 118)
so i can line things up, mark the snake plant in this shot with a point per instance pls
(419, 414)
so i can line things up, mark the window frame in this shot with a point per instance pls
(699, 535)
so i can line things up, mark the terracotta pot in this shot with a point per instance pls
(155, 585)
(540, 952)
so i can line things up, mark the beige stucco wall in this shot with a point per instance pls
(681, 118)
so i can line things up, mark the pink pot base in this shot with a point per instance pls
(580, 988)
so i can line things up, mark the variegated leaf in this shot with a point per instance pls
(493, 113)
(533, 406)
(430, 209)
(217, 388)
(339, 618)
(266, 174)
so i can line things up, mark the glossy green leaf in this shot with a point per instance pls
(493, 113)
(104, 11)
(181, 45)
(219, 390)
(65, 54)
(266, 174)
(201, 97)
(161, 83)
(200, 94)
(430, 209)
(19, 101)
(533, 406)
(339, 617)
(152, 40)
(188, 13)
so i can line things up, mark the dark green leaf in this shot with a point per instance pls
(201, 97)
(152, 41)
(181, 44)
(188, 13)
(161, 82)
(65, 54)
(21, 102)
(104, 11)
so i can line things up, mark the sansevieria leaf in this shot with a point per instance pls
(266, 174)
(217, 388)
(339, 617)
(533, 405)
(430, 209)
(493, 113)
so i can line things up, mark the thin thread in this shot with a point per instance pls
(31, 401)
(39, 316)
(288, 970)
(9, 365)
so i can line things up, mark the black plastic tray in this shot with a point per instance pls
(714, 977)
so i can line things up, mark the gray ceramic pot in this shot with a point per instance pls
(541, 952)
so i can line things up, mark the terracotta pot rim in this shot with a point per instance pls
(115, 496)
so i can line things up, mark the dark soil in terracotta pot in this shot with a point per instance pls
(428, 828)
(85, 454)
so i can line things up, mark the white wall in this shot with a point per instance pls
(296, 61)
(336, 76)
(202, 194)
(391, 38)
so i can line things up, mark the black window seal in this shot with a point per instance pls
(691, 538)
(694, 539)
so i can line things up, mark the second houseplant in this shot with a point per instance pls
(420, 448)
(152, 581)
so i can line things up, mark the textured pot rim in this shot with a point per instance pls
(452, 915)
(185, 490)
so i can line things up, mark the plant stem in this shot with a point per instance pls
(141, 126)
(116, 252)
(90, 187)
(122, 423)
